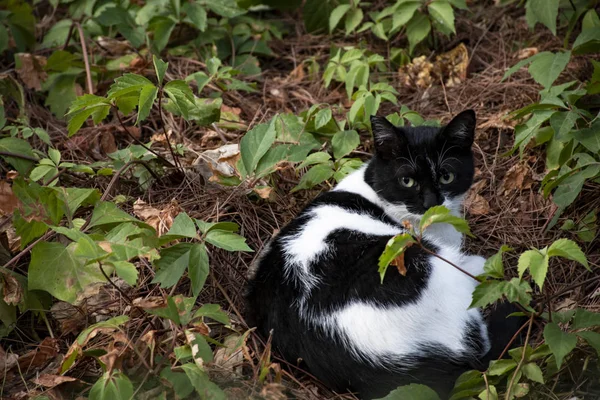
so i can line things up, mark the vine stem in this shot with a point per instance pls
(86, 61)
(445, 260)
(162, 123)
(512, 380)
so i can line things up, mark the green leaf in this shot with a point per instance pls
(417, 29)
(412, 391)
(18, 146)
(443, 13)
(489, 393)
(84, 107)
(206, 227)
(3, 39)
(200, 348)
(322, 118)
(563, 123)
(589, 137)
(179, 381)
(501, 367)
(317, 174)
(55, 269)
(521, 64)
(181, 94)
(493, 266)
(315, 15)
(204, 387)
(592, 338)
(344, 143)
(256, 143)
(518, 291)
(108, 213)
(60, 61)
(487, 292)
(198, 268)
(225, 8)
(126, 84)
(560, 343)
(319, 157)
(544, 11)
(174, 261)
(537, 262)
(587, 42)
(113, 385)
(336, 15)
(440, 214)
(568, 249)
(161, 27)
(160, 67)
(183, 226)
(41, 171)
(533, 372)
(546, 67)
(404, 13)
(126, 271)
(353, 19)
(147, 97)
(393, 248)
(585, 319)
(196, 14)
(227, 240)
(213, 311)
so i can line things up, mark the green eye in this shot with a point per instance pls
(407, 182)
(446, 178)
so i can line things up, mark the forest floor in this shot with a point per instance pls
(504, 206)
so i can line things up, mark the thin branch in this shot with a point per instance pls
(88, 72)
(27, 249)
(512, 380)
(162, 123)
(114, 179)
(447, 261)
(16, 155)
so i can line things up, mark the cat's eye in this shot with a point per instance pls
(407, 182)
(446, 177)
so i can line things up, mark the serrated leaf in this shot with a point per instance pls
(213, 311)
(585, 319)
(344, 143)
(533, 372)
(183, 226)
(568, 249)
(126, 84)
(256, 143)
(55, 269)
(200, 348)
(404, 13)
(394, 248)
(146, 101)
(337, 14)
(443, 13)
(501, 367)
(560, 343)
(160, 67)
(322, 118)
(113, 385)
(487, 292)
(227, 240)
(174, 261)
(544, 11)
(181, 94)
(417, 29)
(441, 214)
(546, 67)
(353, 19)
(493, 266)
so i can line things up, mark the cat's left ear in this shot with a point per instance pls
(461, 130)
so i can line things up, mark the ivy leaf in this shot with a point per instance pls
(55, 269)
(537, 262)
(585, 319)
(518, 291)
(493, 266)
(227, 240)
(560, 343)
(181, 94)
(440, 214)
(412, 391)
(127, 84)
(533, 372)
(568, 249)
(113, 385)
(417, 29)
(317, 174)
(84, 107)
(336, 15)
(256, 143)
(344, 143)
(213, 311)
(443, 13)
(160, 67)
(394, 248)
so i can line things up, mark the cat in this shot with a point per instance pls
(316, 287)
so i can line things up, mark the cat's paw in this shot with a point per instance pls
(474, 264)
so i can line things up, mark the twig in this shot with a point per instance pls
(16, 155)
(162, 123)
(449, 262)
(114, 179)
(69, 35)
(88, 72)
(574, 286)
(27, 249)
(512, 380)
(511, 341)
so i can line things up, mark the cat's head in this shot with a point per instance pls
(420, 167)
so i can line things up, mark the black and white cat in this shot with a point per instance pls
(317, 289)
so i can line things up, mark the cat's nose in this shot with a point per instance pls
(430, 199)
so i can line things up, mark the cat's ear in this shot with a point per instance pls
(386, 136)
(461, 130)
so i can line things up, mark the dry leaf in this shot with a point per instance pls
(527, 52)
(114, 46)
(452, 65)
(8, 201)
(31, 70)
(517, 178)
(297, 73)
(12, 175)
(7, 360)
(265, 192)
(398, 262)
(37, 358)
(219, 162)
(107, 143)
(150, 302)
(50, 381)
(477, 204)
(71, 319)
(160, 220)
(230, 357)
(11, 290)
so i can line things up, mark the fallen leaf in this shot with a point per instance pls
(71, 319)
(265, 192)
(219, 162)
(107, 143)
(30, 69)
(452, 65)
(150, 302)
(113, 46)
(229, 359)
(11, 290)
(527, 52)
(297, 73)
(517, 178)
(476, 204)
(7, 360)
(160, 220)
(8, 201)
(42, 354)
(12, 175)
(50, 381)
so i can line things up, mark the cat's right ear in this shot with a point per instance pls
(386, 137)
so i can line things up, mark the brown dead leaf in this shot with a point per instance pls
(11, 290)
(297, 73)
(452, 65)
(517, 178)
(37, 358)
(476, 204)
(233, 110)
(150, 302)
(218, 163)
(265, 192)
(417, 73)
(230, 357)
(398, 262)
(273, 391)
(7, 360)
(30, 69)
(50, 381)
(113, 46)
(130, 131)
(160, 220)
(12, 175)
(8, 201)
(71, 319)
(527, 52)
(107, 142)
